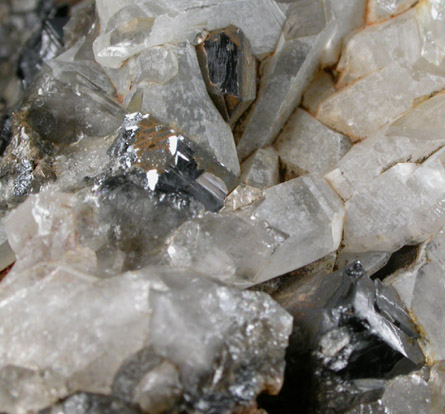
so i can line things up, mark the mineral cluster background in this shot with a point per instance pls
(222, 207)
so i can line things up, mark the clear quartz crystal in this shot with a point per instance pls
(131, 26)
(285, 76)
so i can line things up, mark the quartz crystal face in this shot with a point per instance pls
(222, 206)
(229, 70)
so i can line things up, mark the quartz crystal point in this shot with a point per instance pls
(127, 28)
(171, 162)
(285, 76)
(307, 146)
(212, 329)
(292, 225)
(383, 9)
(184, 103)
(343, 324)
(229, 70)
(261, 169)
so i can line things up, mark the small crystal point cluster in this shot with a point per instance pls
(222, 207)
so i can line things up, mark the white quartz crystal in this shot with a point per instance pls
(413, 137)
(286, 74)
(371, 261)
(261, 169)
(404, 54)
(307, 146)
(361, 108)
(403, 205)
(383, 9)
(128, 27)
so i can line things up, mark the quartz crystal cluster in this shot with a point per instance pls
(222, 206)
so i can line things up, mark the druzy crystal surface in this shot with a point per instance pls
(222, 206)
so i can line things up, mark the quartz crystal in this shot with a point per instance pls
(383, 9)
(130, 27)
(222, 206)
(229, 70)
(290, 226)
(261, 169)
(285, 76)
(411, 138)
(307, 146)
(404, 54)
(89, 358)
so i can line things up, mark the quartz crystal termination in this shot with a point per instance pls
(170, 161)
(279, 230)
(229, 70)
(343, 324)
(285, 76)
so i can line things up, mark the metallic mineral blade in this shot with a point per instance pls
(229, 70)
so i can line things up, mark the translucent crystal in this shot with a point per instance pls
(97, 349)
(310, 213)
(382, 9)
(183, 102)
(348, 17)
(307, 146)
(413, 137)
(285, 76)
(131, 26)
(261, 169)
(437, 384)
(360, 109)
(402, 205)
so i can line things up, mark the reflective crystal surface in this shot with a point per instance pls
(229, 70)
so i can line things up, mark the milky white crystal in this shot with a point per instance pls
(359, 109)
(307, 146)
(412, 137)
(403, 205)
(383, 9)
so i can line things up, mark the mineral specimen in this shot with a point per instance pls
(229, 70)
(173, 243)
(343, 323)
(307, 146)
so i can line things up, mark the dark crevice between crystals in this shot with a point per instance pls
(401, 259)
